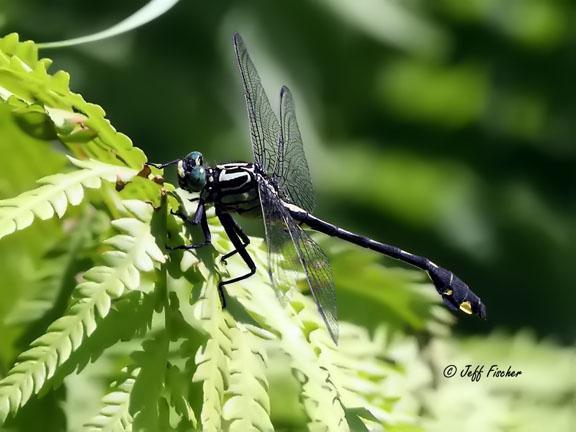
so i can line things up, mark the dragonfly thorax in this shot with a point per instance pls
(233, 187)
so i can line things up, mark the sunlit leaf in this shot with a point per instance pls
(149, 12)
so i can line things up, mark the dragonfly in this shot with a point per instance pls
(278, 188)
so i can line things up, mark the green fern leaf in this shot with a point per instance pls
(115, 414)
(27, 51)
(293, 320)
(56, 193)
(212, 359)
(81, 126)
(134, 400)
(320, 397)
(135, 252)
(247, 406)
(147, 404)
(178, 386)
(53, 280)
(370, 385)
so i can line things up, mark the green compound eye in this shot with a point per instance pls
(191, 173)
(194, 159)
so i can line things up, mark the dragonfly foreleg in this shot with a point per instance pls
(162, 165)
(199, 218)
(239, 241)
(185, 217)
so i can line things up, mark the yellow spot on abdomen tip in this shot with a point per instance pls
(466, 307)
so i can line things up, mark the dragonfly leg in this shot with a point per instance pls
(179, 213)
(185, 218)
(243, 237)
(199, 218)
(236, 238)
(162, 165)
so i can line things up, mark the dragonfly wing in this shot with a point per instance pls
(319, 275)
(289, 242)
(292, 168)
(264, 126)
(281, 157)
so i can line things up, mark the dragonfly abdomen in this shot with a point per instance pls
(365, 242)
(454, 292)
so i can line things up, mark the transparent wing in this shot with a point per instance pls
(292, 173)
(264, 126)
(286, 240)
(282, 158)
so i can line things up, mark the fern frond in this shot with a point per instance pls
(134, 251)
(369, 386)
(81, 126)
(541, 398)
(212, 359)
(320, 397)
(147, 404)
(56, 193)
(114, 416)
(53, 279)
(370, 376)
(178, 386)
(26, 51)
(134, 399)
(247, 406)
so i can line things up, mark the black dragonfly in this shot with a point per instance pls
(277, 187)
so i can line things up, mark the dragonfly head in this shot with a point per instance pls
(191, 172)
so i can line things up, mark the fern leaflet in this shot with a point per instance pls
(56, 193)
(247, 406)
(134, 251)
(292, 321)
(115, 415)
(212, 358)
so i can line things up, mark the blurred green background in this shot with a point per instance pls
(447, 127)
